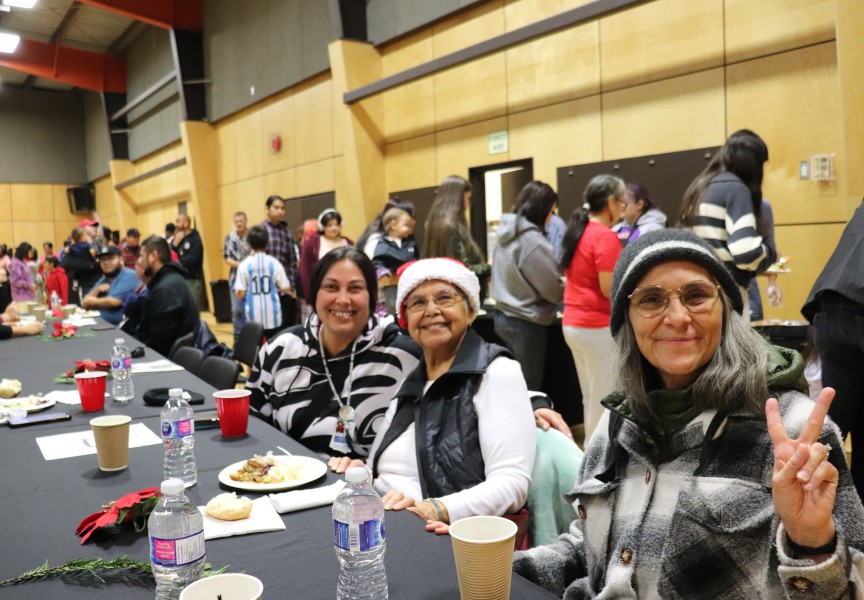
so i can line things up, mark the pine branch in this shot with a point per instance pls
(93, 566)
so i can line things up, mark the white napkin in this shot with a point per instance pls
(262, 518)
(64, 396)
(302, 499)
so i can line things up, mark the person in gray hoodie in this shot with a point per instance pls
(640, 215)
(526, 280)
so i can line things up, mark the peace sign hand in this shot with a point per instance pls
(804, 482)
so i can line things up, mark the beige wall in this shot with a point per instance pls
(35, 213)
(668, 75)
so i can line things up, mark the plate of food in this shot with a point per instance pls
(29, 403)
(272, 473)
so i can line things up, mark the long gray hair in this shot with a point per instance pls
(734, 378)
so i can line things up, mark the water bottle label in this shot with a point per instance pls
(177, 552)
(127, 362)
(178, 429)
(115, 363)
(358, 537)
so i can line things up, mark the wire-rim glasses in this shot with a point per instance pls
(652, 300)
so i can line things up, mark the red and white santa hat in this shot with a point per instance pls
(413, 273)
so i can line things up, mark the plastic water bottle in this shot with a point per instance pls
(176, 531)
(55, 301)
(178, 433)
(121, 367)
(358, 533)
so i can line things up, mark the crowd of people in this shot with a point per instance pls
(708, 471)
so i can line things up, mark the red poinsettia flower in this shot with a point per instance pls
(135, 507)
(57, 313)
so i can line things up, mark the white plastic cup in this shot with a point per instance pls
(230, 586)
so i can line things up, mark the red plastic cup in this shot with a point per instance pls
(91, 388)
(233, 409)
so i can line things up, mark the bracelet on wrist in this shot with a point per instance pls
(828, 548)
(433, 502)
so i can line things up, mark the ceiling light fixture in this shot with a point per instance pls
(8, 42)
(20, 3)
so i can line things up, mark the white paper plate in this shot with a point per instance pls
(312, 470)
(23, 403)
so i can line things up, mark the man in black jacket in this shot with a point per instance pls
(190, 250)
(169, 311)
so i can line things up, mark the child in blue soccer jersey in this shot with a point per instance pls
(260, 280)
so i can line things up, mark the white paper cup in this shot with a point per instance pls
(231, 586)
(111, 435)
(483, 548)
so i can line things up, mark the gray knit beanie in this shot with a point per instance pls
(658, 247)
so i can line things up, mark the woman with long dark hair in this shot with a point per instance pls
(20, 277)
(723, 206)
(447, 233)
(590, 251)
(526, 282)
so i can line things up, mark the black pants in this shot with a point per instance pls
(290, 311)
(838, 335)
(527, 342)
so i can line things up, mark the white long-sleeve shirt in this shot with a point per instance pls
(507, 443)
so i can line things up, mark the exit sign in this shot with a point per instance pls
(498, 142)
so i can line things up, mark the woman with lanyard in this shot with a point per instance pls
(328, 382)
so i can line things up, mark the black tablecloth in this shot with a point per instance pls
(41, 502)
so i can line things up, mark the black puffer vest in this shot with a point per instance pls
(447, 437)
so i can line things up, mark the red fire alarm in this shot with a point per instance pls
(276, 143)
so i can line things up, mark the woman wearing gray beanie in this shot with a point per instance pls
(710, 475)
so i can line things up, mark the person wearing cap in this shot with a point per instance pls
(711, 475)
(116, 284)
(328, 237)
(459, 437)
(640, 215)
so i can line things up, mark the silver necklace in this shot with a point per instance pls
(346, 411)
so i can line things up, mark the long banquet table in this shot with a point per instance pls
(42, 501)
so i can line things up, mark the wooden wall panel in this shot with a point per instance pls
(519, 13)
(33, 232)
(251, 198)
(32, 202)
(470, 93)
(6, 234)
(562, 134)
(660, 39)
(681, 113)
(313, 121)
(409, 110)
(556, 68)
(792, 100)
(315, 178)
(466, 29)
(5, 202)
(808, 248)
(250, 144)
(283, 183)
(769, 26)
(409, 165)
(277, 118)
(226, 134)
(458, 149)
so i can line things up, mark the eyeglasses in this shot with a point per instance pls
(652, 300)
(417, 304)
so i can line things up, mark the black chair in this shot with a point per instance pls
(189, 358)
(219, 372)
(248, 343)
(187, 340)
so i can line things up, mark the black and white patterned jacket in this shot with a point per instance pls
(701, 525)
(288, 377)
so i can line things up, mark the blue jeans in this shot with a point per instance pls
(527, 342)
(838, 335)
(238, 316)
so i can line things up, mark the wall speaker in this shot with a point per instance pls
(81, 199)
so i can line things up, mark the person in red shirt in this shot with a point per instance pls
(590, 251)
(55, 280)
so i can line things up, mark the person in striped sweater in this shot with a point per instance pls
(723, 206)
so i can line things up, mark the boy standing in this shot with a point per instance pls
(55, 280)
(260, 279)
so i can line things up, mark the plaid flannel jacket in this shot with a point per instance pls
(701, 525)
